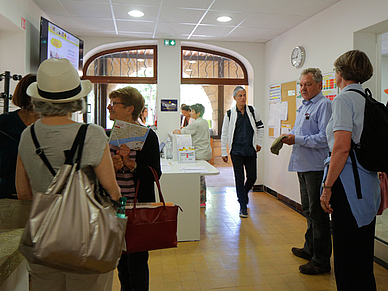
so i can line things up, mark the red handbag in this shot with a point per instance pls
(151, 228)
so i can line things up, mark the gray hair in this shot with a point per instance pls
(61, 109)
(237, 89)
(315, 72)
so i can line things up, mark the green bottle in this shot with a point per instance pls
(121, 210)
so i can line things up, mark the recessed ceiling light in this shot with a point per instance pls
(136, 13)
(140, 60)
(192, 62)
(224, 18)
(188, 70)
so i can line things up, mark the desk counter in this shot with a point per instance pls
(180, 184)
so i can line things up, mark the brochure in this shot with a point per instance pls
(132, 135)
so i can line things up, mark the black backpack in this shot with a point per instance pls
(372, 150)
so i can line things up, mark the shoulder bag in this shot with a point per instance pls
(151, 228)
(68, 229)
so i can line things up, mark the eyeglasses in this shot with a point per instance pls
(113, 103)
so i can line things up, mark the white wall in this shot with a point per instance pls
(169, 72)
(325, 37)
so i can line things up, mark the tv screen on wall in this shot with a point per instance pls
(58, 43)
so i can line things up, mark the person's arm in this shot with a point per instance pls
(22, 183)
(319, 139)
(148, 156)
(259, 130)
(339, 155)
(192, 128)
(106, 175)
(224, 138)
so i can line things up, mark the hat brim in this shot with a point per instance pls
(86, 87)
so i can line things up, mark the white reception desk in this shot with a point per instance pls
(180, 184)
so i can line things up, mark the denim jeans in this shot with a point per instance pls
(244, 186)
(318, 235)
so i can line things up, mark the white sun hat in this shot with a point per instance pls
(58, 82)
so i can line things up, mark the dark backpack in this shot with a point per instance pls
(371, 152)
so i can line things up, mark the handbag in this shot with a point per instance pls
(151, 228)
(68, 229)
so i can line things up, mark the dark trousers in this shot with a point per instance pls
(353, 245)
(318, 235)
(244, 186)
(133, 272)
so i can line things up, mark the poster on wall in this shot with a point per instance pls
(169, 105)
(275, 93)
(329, 86)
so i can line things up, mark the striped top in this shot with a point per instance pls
(124, 177)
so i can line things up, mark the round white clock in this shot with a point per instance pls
(298, 56)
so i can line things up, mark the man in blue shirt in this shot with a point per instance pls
(242, 133)
(310, 148)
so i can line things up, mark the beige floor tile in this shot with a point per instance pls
(237, 254)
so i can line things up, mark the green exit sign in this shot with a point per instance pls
(169, 42)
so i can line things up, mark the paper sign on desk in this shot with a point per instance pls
(186, 153)
(193, 169)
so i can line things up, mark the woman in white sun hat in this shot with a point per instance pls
(58, 93)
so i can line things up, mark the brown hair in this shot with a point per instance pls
(355, 66)
(20, 97)
(130, 97)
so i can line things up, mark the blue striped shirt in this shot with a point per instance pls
(310, 148)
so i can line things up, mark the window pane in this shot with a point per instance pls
(149, 93)
(207, 95)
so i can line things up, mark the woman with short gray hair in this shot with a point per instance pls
(57, 94)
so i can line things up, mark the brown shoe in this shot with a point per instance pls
(301, 253)
(312, 268)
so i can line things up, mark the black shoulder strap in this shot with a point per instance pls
(78, 143)
(353, 147)
(252, 111)
(39, 151)
(69, 154)
(228, 113)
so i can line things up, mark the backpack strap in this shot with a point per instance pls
(39, 151)
(250, 109)
(353, 146)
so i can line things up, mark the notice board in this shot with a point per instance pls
(288, 94)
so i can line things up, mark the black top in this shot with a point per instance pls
(243, 136)
(11, 127)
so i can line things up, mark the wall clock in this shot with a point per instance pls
(298, 57)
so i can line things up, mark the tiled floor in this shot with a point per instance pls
(237, 254)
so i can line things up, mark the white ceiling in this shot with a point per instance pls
(252, 20)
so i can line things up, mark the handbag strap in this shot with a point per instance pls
(78, 143)
(69, 154)
(156, 178)
(39, 151)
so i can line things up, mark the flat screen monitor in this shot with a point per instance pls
(58, 43)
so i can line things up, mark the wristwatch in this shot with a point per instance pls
(326, 187)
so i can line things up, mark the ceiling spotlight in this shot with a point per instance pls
(224, 19)
(192, 62)
(136, 13)
(141, 60)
